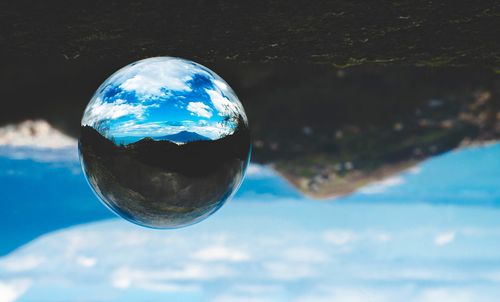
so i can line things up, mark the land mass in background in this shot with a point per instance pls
(338, 93)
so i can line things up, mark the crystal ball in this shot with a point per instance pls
(164, 142)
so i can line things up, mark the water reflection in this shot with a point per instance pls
(417, 237)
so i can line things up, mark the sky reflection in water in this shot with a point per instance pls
(429, 234)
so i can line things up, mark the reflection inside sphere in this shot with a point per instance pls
(164, 142)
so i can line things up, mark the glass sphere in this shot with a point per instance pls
(164, 142)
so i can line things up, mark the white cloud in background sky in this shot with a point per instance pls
(338, 237)
(199, 109)
(11, 290)
(444, 238)
(221, 253)
(249, 253)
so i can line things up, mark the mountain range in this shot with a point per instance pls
(180, 137)
(183, 137)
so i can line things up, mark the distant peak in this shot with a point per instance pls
(183, 137)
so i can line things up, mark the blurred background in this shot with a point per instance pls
(375, 165)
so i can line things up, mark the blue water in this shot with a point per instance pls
(431, 233)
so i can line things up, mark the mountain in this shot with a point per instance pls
(183, 137)
(192, 159)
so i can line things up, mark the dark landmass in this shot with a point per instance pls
(338, 33)
(183, 137)
(329, 131)
(162, 184)
(338, 93)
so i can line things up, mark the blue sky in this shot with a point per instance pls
(161, 96)
(429, 234)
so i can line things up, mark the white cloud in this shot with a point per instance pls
(153, 129)
(414, 273)
(381, 237)
(444, 238)
(338, 237)
(150, 76)
(382, 186)
(86, 261)
(447, 294)
(170, 287)
(221, 253)
(223, 105)
(199, 109)
(256, 289)
(305, 254)
(21, 264)
(126, 278)
(99, 110)
(283, 271)
(221, 85)
(10, 291)
(153, 278)
(34, 134)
